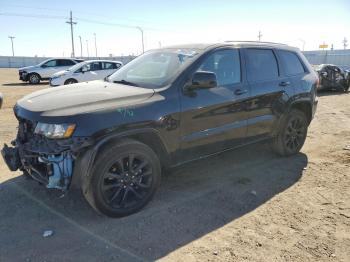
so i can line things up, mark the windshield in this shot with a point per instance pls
(154, 69)
(45, 61)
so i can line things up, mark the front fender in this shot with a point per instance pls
(86, 160)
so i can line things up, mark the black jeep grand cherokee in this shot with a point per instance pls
(166, 107)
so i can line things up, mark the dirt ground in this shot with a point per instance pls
(244, 205)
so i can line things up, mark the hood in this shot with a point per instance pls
(60, 73)
(27, 68)
(83, 98)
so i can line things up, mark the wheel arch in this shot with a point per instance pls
(149, 137)
(305, 107)
(33, 73)
(71, 78)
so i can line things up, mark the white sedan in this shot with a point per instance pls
(85, 71)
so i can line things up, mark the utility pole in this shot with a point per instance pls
(71, 31)
(95, 45)
(303, 41)
(13, 52)
(259, 36)
(87, 48)
(81, 48)
(143, 45)
(345, 43)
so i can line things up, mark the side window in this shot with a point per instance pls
(261, 64)
(65, 62)
(225, 64)
(291, 62)
(51, 63)
(94, 66)
(108, 66)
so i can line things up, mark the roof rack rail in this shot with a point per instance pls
(260, 42)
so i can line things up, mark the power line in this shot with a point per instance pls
(84, 20)
(33, 16)
(79, 12)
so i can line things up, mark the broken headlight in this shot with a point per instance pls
(55, 130)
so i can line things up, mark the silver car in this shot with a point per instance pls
(44, 70)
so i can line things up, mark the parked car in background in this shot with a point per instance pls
(333, 77)
(44, 70)
(168, 106)
(85, 71)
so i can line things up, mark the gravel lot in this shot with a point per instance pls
(246, 204)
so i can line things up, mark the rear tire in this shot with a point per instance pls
(34, 78)
(124, 179)
(70, 81)
(292, 134)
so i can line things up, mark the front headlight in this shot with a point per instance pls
(55, 130)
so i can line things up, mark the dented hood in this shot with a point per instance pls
(83, 98)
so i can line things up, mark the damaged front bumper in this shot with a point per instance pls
(49, 161)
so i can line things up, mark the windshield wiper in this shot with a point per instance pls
(124, 82)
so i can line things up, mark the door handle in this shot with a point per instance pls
(284, 83)
(239, 92)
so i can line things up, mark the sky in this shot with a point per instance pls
(39, 25)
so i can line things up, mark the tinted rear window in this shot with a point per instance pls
(64, 62)
(291, 62)
(261, 64)
(107, 65)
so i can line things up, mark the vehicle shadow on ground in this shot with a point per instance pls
(25, 84)
(331, 93)
(194, 200)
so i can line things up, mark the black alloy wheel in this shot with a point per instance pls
(127, 181)
(292, 134)
(124, 178)
(295, 133)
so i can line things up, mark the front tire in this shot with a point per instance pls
(292, 134)
(34, 78)
(124, 179)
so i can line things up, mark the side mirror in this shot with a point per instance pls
(84, 69)
(44, 66)
(203, 80)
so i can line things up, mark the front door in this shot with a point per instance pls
(93, 72)
(214, 119)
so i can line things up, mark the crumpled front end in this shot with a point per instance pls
(49, 161)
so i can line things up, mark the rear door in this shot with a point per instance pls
(108, 68)
(214, 119)
(267, 88)
(293, 69)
